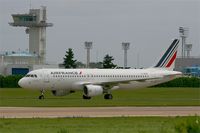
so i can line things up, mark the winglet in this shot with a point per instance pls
(168, 59)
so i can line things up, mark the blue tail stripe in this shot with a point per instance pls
(166, 53)
(170, 54)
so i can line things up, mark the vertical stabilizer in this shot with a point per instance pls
(168, 59)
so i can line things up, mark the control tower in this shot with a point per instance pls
(36, 24)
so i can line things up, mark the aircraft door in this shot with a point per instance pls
(46, 78)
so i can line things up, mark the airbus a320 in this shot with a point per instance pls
(95, 82)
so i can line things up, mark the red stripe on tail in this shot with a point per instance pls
(172, 60)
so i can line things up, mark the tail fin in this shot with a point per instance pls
(168, 59)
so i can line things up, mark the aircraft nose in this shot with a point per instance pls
(21, 83)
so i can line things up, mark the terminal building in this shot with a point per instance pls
(185, 64)
(23, 62)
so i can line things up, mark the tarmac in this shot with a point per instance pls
(65, 112)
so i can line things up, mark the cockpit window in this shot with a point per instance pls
(31, 75)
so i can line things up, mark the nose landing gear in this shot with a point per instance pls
(41, 97)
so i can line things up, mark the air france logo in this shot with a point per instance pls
(73, 72)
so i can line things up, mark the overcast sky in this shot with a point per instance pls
(149, 25)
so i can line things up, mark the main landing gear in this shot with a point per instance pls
(86, 97)
(41, 97)
(108, 96)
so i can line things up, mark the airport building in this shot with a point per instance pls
(23, 62)
(182, 64)
(187, 64)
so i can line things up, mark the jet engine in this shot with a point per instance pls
(61, 92)
(92, 90)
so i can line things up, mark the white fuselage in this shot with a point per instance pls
(75, 79)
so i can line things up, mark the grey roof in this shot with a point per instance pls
(21, 54)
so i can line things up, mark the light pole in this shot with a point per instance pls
(125, 47)
(88, 46)
(183, 34)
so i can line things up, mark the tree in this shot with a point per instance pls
(69, 61)
(1, 81)
(107, 62)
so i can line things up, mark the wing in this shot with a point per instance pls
(110, 84)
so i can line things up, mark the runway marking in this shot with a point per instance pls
(55, 112)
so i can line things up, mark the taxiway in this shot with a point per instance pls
(56, 112)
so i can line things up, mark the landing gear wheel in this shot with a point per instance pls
(108, 96)
(41, 97)
(42, 94)
(86, 97)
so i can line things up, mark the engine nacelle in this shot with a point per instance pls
(92, 90)
(61, 92)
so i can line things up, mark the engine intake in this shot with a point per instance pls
(92, 90)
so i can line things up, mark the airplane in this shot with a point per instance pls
(95, 82)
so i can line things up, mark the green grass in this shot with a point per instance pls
(140, 97)
(95, 125)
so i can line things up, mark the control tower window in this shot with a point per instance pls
(27, 18)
